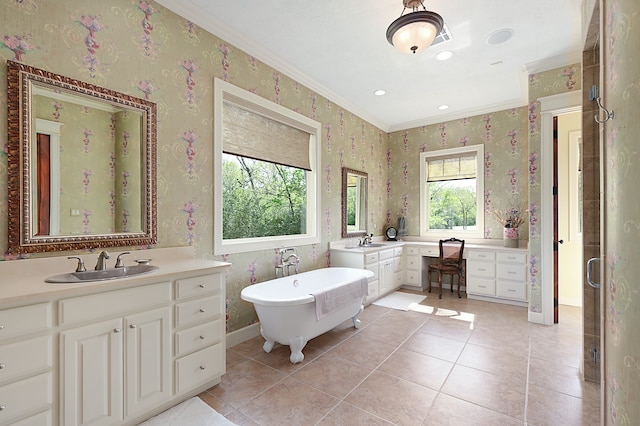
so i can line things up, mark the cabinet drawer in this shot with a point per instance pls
(412, 251)
(510, 290)
(398, 251)
(385, 254)
(481, 269)
(25, 396)
(199, 337)
(22, 358)
(398, 264)
(373, 291)
(196, 286)
(511, 271)
(27, 319)
(113, 303)
(42, 419)
(413, 277)
(373, 268)
(413, 262)
(198, 368)
(512, 257)
(481, 255)
(371, 258)
(482, 286)
(431, 251)
(198, 310)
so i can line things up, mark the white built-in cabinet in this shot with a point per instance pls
(113, 357)
(492, 273)
(386, 263)
(497, 274)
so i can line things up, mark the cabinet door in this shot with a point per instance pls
(92, 374)
(386, 276)
(148, 359)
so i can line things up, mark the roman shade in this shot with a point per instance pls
(451, 168)
(248, 134)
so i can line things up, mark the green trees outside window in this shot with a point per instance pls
(452, 204)
(261, 199)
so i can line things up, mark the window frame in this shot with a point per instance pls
(478, 150)
(227, 92)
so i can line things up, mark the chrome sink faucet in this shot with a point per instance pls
(366, 240)
(102, 265)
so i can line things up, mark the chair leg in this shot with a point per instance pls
(461, 277)
(440, 284)
(429, 279)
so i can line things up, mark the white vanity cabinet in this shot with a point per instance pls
(497, 275)
(386, 263)
(26, 363)
(112, 352)
(119, 367)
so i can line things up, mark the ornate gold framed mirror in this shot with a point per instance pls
(81, 164)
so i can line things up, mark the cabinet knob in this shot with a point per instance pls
(2, 407)
(202, 286)
(201, 338)
(2, 366)
(116, 330)
(202, 367)
(1, 327)
(132, 326)
(201, 310)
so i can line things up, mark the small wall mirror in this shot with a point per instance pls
(354, 203)
(81, 164)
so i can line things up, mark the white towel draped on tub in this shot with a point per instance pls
(335, 298)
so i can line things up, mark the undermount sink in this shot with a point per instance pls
(107, 274)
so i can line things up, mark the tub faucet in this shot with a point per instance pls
(288, 257)
(102, 265)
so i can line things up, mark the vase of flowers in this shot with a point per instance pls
(510, 218)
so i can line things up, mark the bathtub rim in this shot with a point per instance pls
(246, 295)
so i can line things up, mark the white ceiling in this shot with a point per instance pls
(338, 48)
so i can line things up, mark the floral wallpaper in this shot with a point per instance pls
(552, 82)
(504, 135)
(621, 289)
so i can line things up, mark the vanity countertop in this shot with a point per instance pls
(24, 280)
(350, 246)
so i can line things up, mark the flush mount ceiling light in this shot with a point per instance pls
(415, 31)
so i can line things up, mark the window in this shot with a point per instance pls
(266, 183)
(452, 192)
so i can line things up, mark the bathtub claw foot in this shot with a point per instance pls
(355, 319)
(296, 344)
(268, 346)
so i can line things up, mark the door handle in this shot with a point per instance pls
(590, 263)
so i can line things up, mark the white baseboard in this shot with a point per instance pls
(242, 335)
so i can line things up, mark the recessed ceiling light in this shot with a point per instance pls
(500, 36)
(379, 92)
(444, 55)
(443, 107)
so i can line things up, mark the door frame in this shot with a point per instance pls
(550, 106)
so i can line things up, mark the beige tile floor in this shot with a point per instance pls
(451, 362)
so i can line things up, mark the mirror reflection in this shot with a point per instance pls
(354, 203)
(81, 164)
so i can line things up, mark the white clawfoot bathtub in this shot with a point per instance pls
(286, 306)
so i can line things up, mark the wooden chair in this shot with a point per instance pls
(449, 262)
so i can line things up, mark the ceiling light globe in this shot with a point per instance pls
(414, 32)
